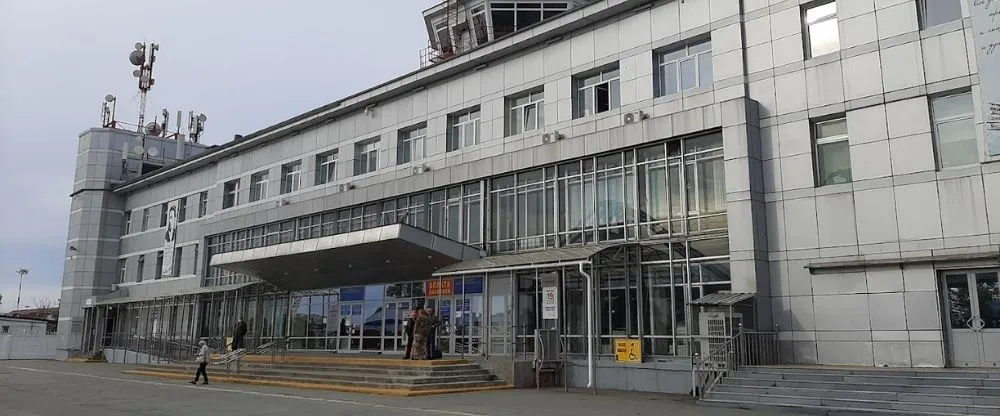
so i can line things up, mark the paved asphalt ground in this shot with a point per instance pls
(49, 388)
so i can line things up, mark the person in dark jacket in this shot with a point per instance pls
(239, 332)
(408, 330)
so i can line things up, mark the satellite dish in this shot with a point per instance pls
(154, 151)
(136, 73)
(139, 150)
(155, 130)
(202, 117)
(137, 58)
(109, 98)
(139, 45)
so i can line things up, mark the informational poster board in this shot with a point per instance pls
(986, 32)
(550, 302)
(170, 239)
(628, 350)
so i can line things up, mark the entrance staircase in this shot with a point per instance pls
(827, 390)
(385, 376)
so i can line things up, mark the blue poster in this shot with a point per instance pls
(348, 294)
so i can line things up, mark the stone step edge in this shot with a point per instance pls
(332, 376)
(329, 367)
(85, 360)
(325, 387)
(375, 362)
(827, 410)
(405, 372)
(867, 375)
(806, 389)
(861, 401)
(849, 383)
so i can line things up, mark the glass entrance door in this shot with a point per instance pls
(395, 318)
(972, 300)
(351, 321)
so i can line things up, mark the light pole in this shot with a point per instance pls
(21, 272)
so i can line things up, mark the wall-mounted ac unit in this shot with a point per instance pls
(115, 286)
(346, 187)
(552, 137)
(420, 169)
(635, 117)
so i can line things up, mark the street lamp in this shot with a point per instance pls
(21, 272)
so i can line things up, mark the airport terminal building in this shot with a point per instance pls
(825, 170)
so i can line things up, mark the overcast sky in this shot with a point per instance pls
(245, 64)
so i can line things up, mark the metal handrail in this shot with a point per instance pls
(746, 348)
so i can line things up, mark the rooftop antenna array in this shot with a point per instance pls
(108, 111)
(143, 58)
(196, 125)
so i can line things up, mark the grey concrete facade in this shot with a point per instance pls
(848, 273)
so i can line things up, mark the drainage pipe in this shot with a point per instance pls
(590, 327)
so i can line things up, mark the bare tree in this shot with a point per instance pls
(44, 303)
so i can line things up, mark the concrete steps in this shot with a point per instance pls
(372, 376)
(860, 391)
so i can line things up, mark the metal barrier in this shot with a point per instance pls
(728, 354)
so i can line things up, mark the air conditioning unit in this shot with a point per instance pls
(717, 328)
(346, 187)
(115, 286)
(552, 137)
(635, 117)
(420, 169)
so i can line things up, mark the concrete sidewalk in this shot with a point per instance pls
(47, 388)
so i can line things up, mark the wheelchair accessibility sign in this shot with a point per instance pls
(628, 350)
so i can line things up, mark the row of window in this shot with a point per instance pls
(182, 208)
(158, 271)
(671, 188)
(954, 134)
(822, 33)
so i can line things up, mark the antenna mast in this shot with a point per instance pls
(144, 61)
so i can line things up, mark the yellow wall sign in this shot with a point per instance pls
(628, 350)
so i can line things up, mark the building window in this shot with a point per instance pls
(258, 186)
(145, 219)
(163, 215)
(138, 269)
(832, 152)
(182, 210)
(126, 222)
(412, 144)
(194, 268)
(230, 193)
(463, 129)
(326, 167)
(178, 251)
(525, 112)
(822, 32)
(159, 265)
(512, 16)
(122, 269)
(684, 68)
(597, 92)
(937, 12)
(366, 157)
(955, 139)
(202, 204)
(291, 177)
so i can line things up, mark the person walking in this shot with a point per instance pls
(432, 327)
(239, 333)
(418, 348)
(202, 360)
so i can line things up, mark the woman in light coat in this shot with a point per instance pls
(202, 360)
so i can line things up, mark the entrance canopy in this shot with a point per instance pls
(386, 254)
(568, 256)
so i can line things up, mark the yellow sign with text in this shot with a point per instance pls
(628, 350)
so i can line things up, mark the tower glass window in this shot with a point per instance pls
(463, 129)
(366, 157)
(230, 193)
(145, 219)
(202, 204)
(182, 210)
(955, 140)
(291, 177)
(126, 222)
(525, 112)
(258, 186)
(822, 30)
(326, 167)
(937, 12)
(140, 265)
(412, 144)
(684, 68)
(832, 152)
(597, 92)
